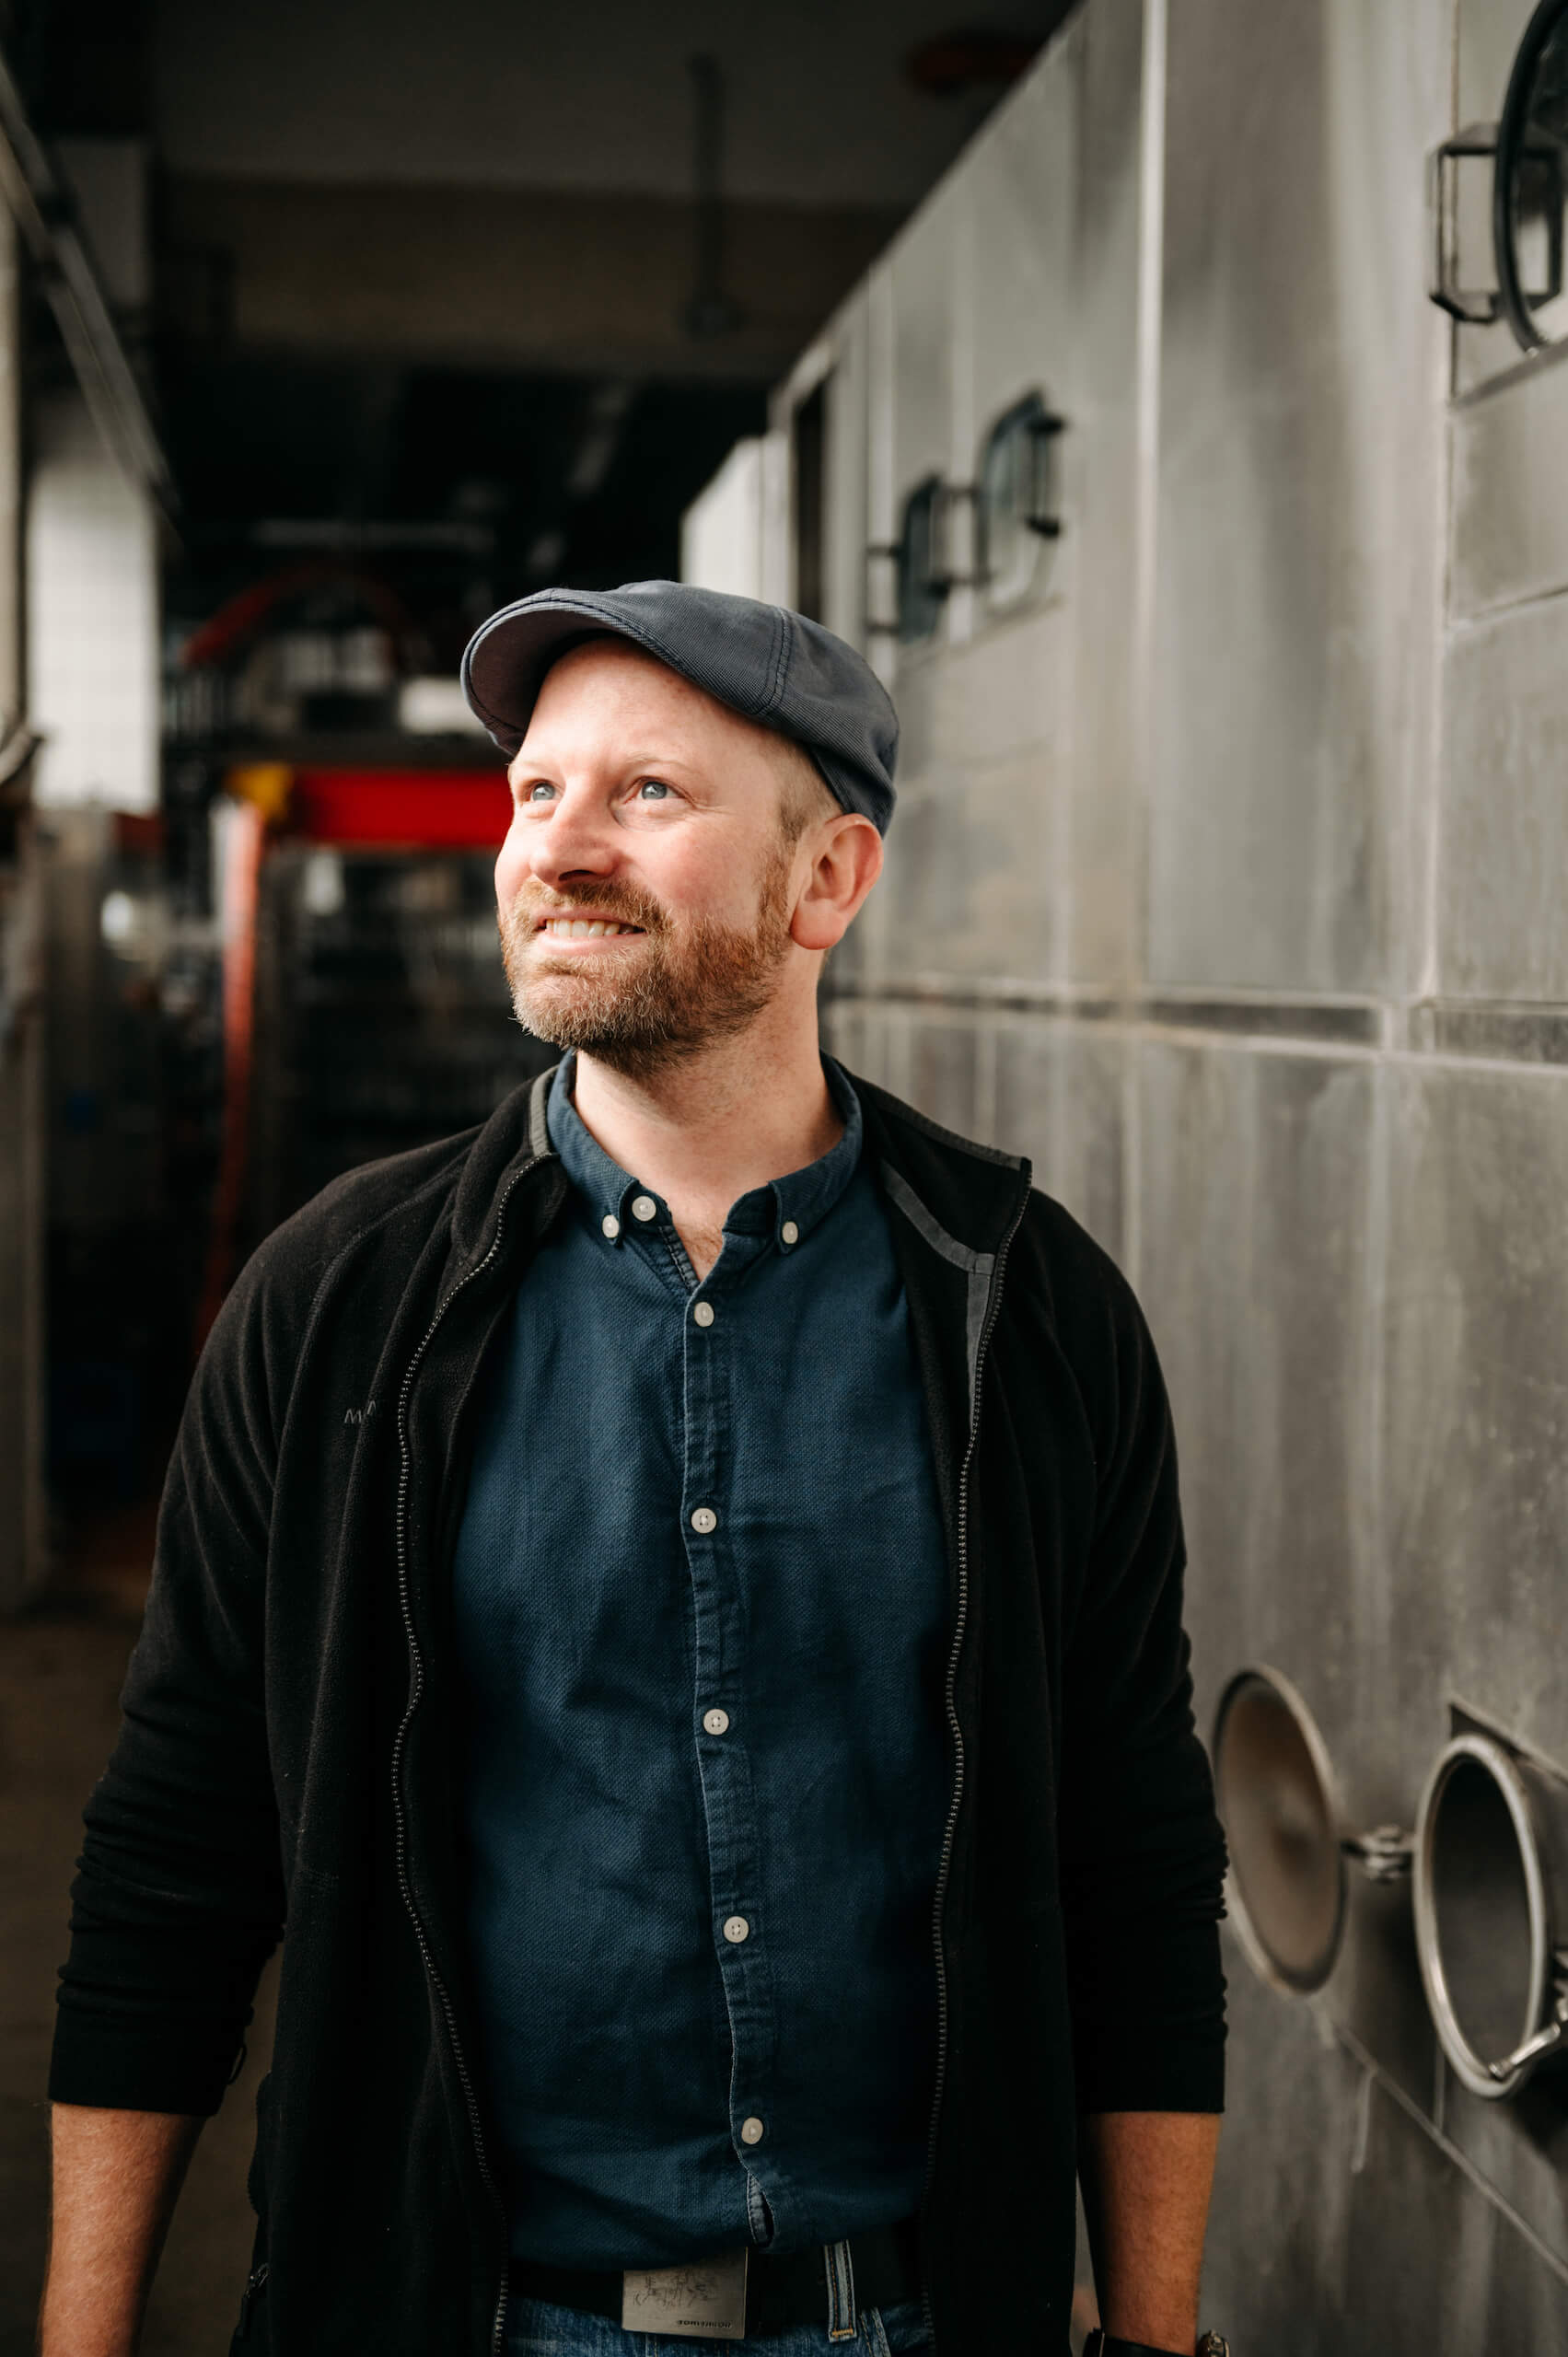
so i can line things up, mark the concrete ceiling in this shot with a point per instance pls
(820, 110)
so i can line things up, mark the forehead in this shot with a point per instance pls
(606, 705)
(607, 686)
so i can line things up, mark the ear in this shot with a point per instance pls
(846, 853)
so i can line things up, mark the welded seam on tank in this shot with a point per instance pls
(1461, 2160)
(1543, 1034)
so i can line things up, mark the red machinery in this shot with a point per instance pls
(382, 810)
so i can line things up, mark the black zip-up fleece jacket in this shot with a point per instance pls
(288, 1752)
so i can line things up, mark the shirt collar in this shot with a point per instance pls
(797, 1203)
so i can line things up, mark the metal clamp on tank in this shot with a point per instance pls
(1491, 1911)
(1282, 1821)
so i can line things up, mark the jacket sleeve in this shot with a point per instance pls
(179, 1896)
(1143, 1857)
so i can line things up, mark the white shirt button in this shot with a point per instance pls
(737, 1929)
(703, 1313)
(789, 1232)
(717, 1722)
(644, 1207)
(705, 1520)
(751, 2131)
(610, 1226)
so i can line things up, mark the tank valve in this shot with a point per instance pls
(1383, 1853)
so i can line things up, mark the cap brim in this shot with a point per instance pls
(504, 667)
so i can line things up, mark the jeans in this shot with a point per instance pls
(535, 2328)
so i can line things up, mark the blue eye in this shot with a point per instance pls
(539, 786)
(653, 788)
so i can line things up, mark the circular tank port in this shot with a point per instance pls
(1483, 1930)
(1275, 1791)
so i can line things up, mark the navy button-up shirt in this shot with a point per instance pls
(703, 1614)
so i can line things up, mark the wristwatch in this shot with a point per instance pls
(1100, 2344)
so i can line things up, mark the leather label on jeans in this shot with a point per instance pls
(704, 2299)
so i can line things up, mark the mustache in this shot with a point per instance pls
(534, 903)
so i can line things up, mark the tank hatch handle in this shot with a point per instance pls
(1550, 2033)
(1475, 306)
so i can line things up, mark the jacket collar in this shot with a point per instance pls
(514, 1144)
(961, 1200)
(956, 1203)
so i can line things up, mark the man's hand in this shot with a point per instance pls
(1146, 2177)
(117, 2175)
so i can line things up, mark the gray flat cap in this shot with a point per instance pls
(767, 664)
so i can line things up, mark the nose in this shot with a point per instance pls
(575, 839)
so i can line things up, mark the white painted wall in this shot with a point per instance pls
(92, 603)
(734, 535)
(721, 532)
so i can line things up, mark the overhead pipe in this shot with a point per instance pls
(45, 212)
(711, 311)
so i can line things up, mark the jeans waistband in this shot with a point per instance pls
(874, 2269)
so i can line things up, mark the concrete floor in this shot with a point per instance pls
(61, 1668)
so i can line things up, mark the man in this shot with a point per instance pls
(676, 1598)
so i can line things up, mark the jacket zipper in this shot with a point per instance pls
(945, 1861)
(417, 1690)
(255, 2284)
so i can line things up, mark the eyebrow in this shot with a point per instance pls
(519, 768)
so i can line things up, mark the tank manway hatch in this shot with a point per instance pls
(1290, 1853)
(1491, 1911)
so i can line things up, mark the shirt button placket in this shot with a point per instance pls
(731, 1835)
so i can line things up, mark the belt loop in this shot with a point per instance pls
(840, 2269)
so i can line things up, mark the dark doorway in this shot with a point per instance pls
(809, 436)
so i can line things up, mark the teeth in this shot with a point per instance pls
(583, 928)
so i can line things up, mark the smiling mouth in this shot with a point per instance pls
(583, 928)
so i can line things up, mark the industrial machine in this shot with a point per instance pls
(1190, 466)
